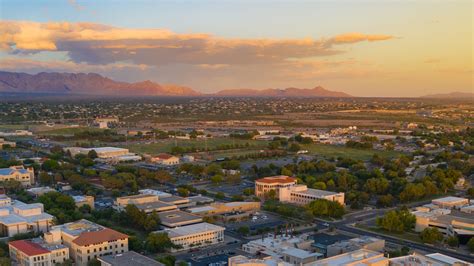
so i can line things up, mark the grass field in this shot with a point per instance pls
(69, 130)
(12, 127)
(167, 145)
(327, 151)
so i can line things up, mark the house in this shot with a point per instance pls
(87, 240)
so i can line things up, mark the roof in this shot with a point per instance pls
(177, 218)
(96, 237)
(327, 239)
(193, 229)
(156, 205)
(164, 156)
(108, 149)
(28, 247)
(276, 179)
(445, 259)
(174, 199)
(129, 258)
(317, 192)
(450, 199)
(300, 253)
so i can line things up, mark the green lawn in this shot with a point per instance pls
(167, 145)
(327, 151)
(69, 130)
(12, 127)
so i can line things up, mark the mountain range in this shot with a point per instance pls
(95, 84)
(451, 95)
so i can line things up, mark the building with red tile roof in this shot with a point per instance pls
(37, 252)
(264, 185)
(87, 240)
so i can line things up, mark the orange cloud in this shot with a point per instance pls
(102, 44)
(359, 37)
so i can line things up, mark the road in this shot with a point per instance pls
(346, 225)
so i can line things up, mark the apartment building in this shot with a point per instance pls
(37, 252)
(87, 240)
(26, 176)
(17, 217)
(195, 235)
(264, 185)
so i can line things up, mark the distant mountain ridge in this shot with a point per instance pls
(451, 95)
(288, 92)
(87, 84)
(95, 84)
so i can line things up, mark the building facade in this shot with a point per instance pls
(36, 252)
(26, 176)
(263, 186)
(195, 235)
(18, 217)
(87, 240)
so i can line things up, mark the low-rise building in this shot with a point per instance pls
(194, 235)
(295, 250)
(177, 218)
(361, 257)
(37, 252)
(87, 240)
(18, 217)
(106, 154)
(451, 202)
(26, 176)
(245, 261)
(227, 207)
(145, 202)
(448, 222)
(16, 133)
(129, 258)
(4, 143)
(165, 159)
(84, 200)
(38, 191)
(362, 242)
(302, 195)
(435, 259)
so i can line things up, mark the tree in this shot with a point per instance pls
(50, 165)
(294, 147)
(431, 235)
(167, 260)
(243, 230)
(92, 154)
(470, 244)
(163, 176)
(45, 179)
(452, 241)
(183, 192)
(390, 222)
(94, 262)
(158, 242)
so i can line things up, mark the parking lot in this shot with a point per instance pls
(258, 221)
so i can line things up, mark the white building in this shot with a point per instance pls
(18, 173)
(435, 259)
(195, 235)
(451, 202)
(295, 250)
(87, 240)
(18, 217)
(361, 257)
(109, 154)
(37, 252)
(244, 261)
(9, 143)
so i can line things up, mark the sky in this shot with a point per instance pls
(390, 48)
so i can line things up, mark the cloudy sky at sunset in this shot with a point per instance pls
(364, 48)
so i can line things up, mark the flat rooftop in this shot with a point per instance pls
(79, 227)
(157, 205)
(178, 218)
(318, 192)
(450, 199)
(193, 229)
(327, 239)
(108, 149)
(173, 199)
(369, 256)
(276, 179)
(129, 258)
